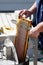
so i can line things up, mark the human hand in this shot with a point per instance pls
(24, 12)
(33, 33)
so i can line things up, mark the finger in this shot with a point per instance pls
(20, 13)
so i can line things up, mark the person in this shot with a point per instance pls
(37, 31)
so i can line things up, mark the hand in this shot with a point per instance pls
(33, 33)
(24, 12)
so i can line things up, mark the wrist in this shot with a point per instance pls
(29, 13)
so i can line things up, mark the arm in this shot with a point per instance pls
(39, 27)
(28, 12)
(33, 8)
(34, 32)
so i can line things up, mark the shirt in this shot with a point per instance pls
(39, 18)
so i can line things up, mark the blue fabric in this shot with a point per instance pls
(39, 18)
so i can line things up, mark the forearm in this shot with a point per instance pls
(39, 27)
(33, 8)
(35, 31)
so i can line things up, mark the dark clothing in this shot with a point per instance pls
(39, 18)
